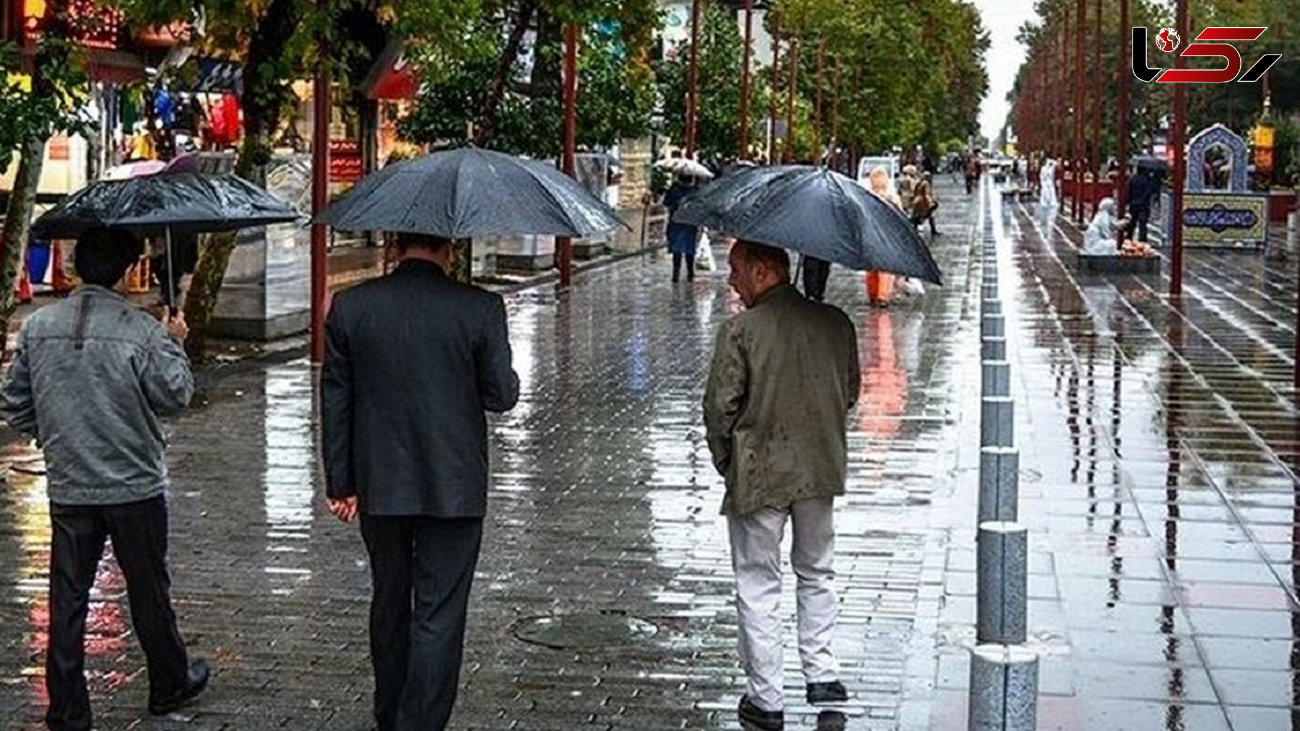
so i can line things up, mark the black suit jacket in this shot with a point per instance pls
(412, 361)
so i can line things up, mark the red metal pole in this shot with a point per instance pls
(1122, 71)
(1180, 160)
(692, 84)
(835, 117)
(1063, 96)
(1097, 87)
(1076, 167)
(790, 93)
(820, 106)
(745, 71)
(320, 175)
(776, 82)
(564, 245)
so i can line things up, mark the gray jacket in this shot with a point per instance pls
(783, 378)
(89, 380)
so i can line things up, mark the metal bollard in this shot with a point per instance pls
(1002, 576)
(993, 348)
(993, 326)
(999, 484)
(990, 306)
(997, 422)
(988, 291)
(1003, 688)
(996, 378)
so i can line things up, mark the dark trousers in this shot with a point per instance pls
(970, 184)
(1141, 217)
(690, 267)
(421, 570)
(815, 275)
(919, 219)
(139, 533)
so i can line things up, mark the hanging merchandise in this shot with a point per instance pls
(164, 108)
(141, 144)
(132, 111)
(224, 120)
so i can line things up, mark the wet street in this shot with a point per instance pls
(1159, 443)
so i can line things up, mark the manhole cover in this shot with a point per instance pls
(585, 631)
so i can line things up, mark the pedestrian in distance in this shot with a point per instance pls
(682, 238)
(880, 285)
(91, 376)
(413, 360)
(924, 203)
(1142, 189)
(783, 378)
(816, 273)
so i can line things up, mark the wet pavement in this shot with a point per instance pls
(1157, 441)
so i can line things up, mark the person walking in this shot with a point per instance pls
(880, 285)
(1142, 189)
(682, 238)
(783, 378)
(413, 360)
(924, 203)
(90, 378)
(816, 273)
(972, 168)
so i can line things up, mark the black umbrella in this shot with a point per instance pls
(1151, 162)
(470, 192)
(816, 212)
(163, 204)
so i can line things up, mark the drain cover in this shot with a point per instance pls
(585, 631)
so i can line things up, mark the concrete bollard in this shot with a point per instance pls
(993, 326)
(1002, 576)
(1003, 688)
(996, 378)
(993, 348)
(999, 484)
(997, 422)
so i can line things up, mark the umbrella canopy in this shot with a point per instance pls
(816, 212)
(469, 192)
(684, 166)
(134, 170)
(152, 205)
(1150, 162)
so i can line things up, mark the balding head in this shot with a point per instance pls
(756, 269)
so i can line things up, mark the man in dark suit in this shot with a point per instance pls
(413, 360)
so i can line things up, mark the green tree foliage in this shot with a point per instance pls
(484, 97)
(35, 105)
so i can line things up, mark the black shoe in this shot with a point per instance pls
(759, 718)
(196, 681)
(832, 692)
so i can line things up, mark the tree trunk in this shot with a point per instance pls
(18, 220)
(261, 102)
(497, 90)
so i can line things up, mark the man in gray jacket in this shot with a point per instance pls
(412, 362)
(783, 378)
(89, 380)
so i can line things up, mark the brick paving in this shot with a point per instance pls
(1158, 456)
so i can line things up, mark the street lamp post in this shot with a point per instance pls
(564, 244)
(1180, 161)
(692, 84)
(320, 161)
(1122, 72)
(745, 71)
(1076, 167)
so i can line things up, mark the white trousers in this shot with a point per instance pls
(756, 558)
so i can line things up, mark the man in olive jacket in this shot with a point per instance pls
(783, 378)
(413, 360)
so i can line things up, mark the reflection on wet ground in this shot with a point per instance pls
(1158, 446)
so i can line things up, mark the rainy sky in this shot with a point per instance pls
(1002, 18)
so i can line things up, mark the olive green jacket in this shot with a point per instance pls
(784, 376)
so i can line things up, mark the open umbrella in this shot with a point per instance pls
(162, 204)
(816, 212)
(1151, 162)
(684, 166)
(470, 192)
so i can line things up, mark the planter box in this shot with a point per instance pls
(1104, 264)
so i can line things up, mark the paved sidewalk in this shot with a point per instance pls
(1158, 448)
